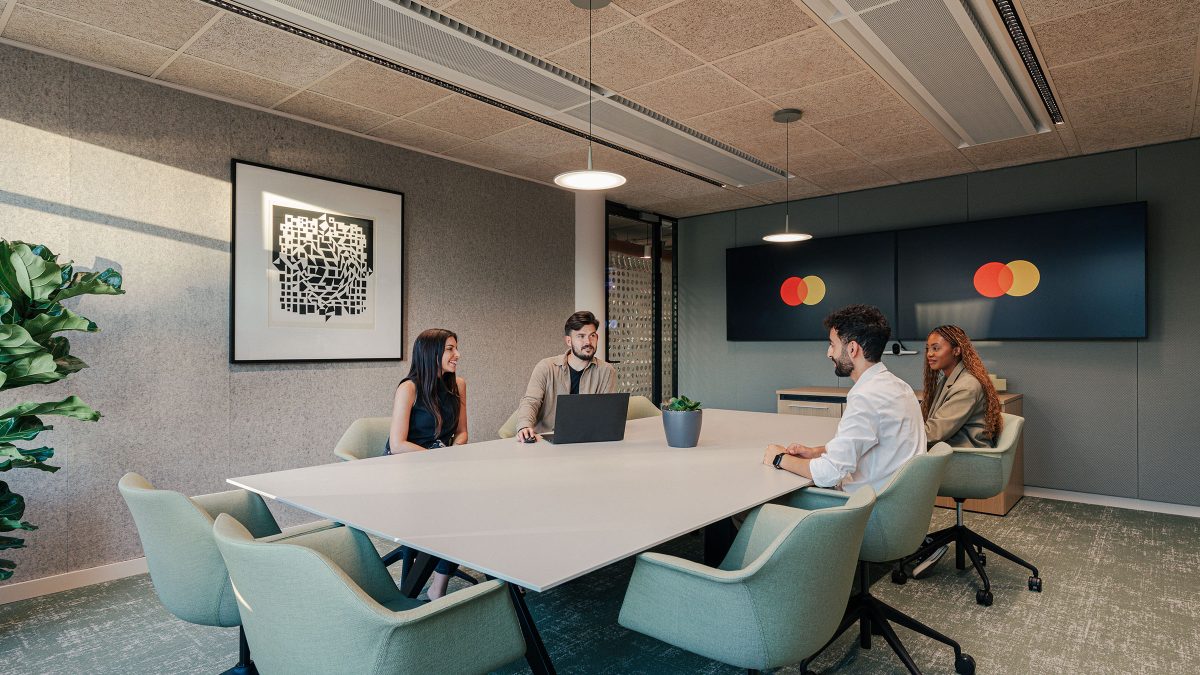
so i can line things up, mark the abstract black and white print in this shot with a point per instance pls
(324, 262)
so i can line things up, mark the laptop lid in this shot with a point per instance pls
(589, 418)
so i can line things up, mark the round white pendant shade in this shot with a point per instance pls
(784, 237)
(589, 180)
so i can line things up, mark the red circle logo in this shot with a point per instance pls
(1017, 278)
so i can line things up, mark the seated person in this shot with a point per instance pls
(430, 411)
(577, 371)
(961, 406)
(881, 426)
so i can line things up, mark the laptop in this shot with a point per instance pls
(589, 418)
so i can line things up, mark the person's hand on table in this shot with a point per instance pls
(802, 451)
(772, 451)
(525, 433)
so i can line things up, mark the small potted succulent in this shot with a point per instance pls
(681, 421)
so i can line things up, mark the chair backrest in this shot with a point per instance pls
(981, 475)
(364, 439)
(509, 429)
(904, 506)
(176, 532)
(800, 577)
(640, 406)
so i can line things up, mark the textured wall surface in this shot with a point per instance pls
(106, 169)
(1110, 417)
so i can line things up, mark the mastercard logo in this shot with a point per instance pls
(1017, 278)
(807, 290)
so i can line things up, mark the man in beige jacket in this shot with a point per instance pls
(577, 371)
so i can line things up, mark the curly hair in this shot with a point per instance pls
(958, 339)
(863, 324)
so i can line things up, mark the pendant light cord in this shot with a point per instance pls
(591, 9)
(787, 179)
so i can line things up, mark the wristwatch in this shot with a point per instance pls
(778, 461)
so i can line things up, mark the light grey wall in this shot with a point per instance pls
(1106, 417)
(105, 168)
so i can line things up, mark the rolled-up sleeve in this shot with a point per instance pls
(858, 431)
(535, 395)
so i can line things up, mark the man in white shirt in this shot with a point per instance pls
(881, 427)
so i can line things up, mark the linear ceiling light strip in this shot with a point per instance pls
(333, 44)
(1016, 30)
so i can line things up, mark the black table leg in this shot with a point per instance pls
(415, 575)
(535, 651)
(718, 538)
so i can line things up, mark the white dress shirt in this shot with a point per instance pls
(880, 430)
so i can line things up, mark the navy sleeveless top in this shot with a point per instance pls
(422, 426)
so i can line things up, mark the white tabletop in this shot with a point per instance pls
(538, 515)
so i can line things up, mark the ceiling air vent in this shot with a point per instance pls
(953, 60)
(412, 35)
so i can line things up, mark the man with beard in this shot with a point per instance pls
(578, 371)
(881, 427)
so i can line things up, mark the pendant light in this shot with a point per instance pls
(646, 250)
(785, 117)
(589, 179)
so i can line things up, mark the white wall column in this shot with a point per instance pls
(590, 273)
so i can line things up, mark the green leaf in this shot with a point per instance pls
(70, 364)
(107, 282)
(12, 507)
(71, 406)
(6, 308)
(57, 318)
(16, 343)
(10, 542)
(12, 457)
(23, 428)
(35, 369)
(33, 274)
(59, 347)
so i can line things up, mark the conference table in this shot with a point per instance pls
(538, 515)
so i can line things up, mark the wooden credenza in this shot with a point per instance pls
(830, 401)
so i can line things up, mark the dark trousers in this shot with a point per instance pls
(718, 538)
(443, 566)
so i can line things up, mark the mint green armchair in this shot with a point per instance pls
(979, 473)
(364, 438)
(775, 599)
(186, 568)
(323, 602)
(896, 528)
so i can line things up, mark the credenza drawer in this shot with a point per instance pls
(810, 408)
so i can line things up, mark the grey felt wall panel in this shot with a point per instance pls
(105, 169)
(1105, 417)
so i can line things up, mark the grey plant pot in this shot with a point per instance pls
(682, 427)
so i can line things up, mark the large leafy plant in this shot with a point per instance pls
(33, 287)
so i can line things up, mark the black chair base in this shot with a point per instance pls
(874, 617)
(398, 555)
(244, 665)
(969, 544)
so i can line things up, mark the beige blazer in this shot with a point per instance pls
(957, 414)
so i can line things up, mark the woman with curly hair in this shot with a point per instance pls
(960, 406)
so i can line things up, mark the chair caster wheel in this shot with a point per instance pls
(1035, 584)
(964, 665)
(900, 577)
(984, 598)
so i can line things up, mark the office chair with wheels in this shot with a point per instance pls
(977, 473)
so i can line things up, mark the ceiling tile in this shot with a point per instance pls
(797, 188)
(84, 42)
(332, 111)
(672, 184)
(799, 61)
(712, 29)
(1115, 27)
(1043, 10)
(724, 200)
(1126, 70)
(888, 148)
(488, 155)
(1142, 103)
(750, 128)
(255, 48)
(850, 95)
(536, 26)
(419, 136)
(465, 116)
(371, 86)
(167, 23)
(1101, 138)
(603, 157)
(892, 121)
(534, 169)
(692, 93)
(537, 140)
(637, 7)
(824, 161)
(924, 167)
(626, 57)
(213, 78)
(1023, 150)
(1067, 136)
(852, 179)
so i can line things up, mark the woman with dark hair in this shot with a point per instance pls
(430, 411)
(961, 406)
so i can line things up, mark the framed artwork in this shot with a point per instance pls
(317, 268)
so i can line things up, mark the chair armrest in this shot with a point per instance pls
(814, 498)
(247, 507)
(978, 451)
(297, 531)
(673, 566)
